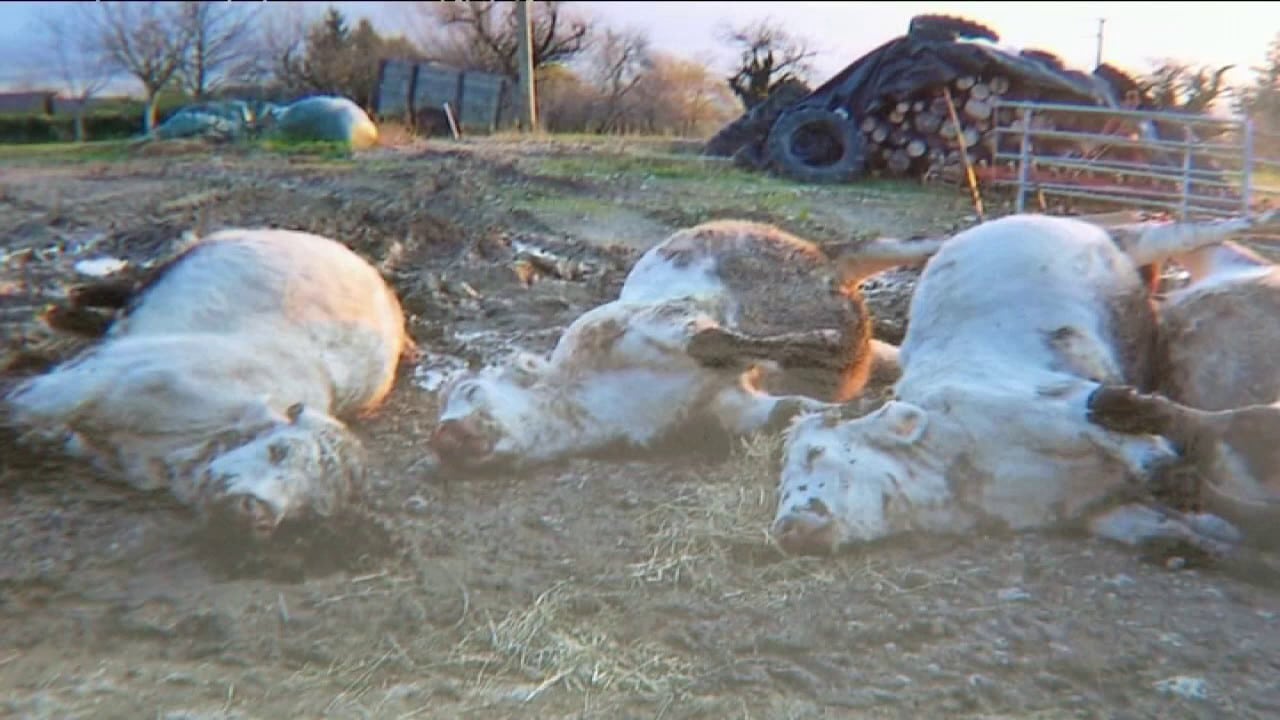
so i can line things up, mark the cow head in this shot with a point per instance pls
(303, 464)
(846, 481)
(484, 413)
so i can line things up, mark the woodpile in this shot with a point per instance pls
(922, 136)
(929, 105)
(918, 135)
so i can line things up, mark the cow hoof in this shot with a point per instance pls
(1122, 409)
(1215, 529)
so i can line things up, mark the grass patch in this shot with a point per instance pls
(583, 206)
(64, 152)
(310, 148)
(604, 166)
(713, 174)
(649, 143)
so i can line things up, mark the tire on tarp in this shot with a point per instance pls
(817, 146)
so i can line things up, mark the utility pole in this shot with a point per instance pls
(528, 94)
(1098, 60)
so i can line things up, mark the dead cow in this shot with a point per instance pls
(1013, 325)
(1218, 395)
(224, 378)
(727, 325)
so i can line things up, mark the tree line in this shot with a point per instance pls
(591, 77)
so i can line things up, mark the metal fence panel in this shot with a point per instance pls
(477, 100)
(393, 88)
(1181, 184)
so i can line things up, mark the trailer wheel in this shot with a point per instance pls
(818, 146)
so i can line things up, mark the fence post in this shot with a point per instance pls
(1246, 171)
(1186, 172)
(1024, 159)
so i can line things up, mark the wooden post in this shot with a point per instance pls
(964, 156)
(528, 94)
(453, 124)
(410, 105)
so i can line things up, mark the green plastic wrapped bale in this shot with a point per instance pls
(208, 120)
(197, 123)
(327, 119)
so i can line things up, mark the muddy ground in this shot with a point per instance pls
(641, 588)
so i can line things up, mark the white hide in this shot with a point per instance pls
(225, 379)
(989, 423)
(631, 391)
(618, 376)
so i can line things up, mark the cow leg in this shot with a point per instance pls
(113, 294)
(1123, 409)
(720, 347)
(742, 409)
(1145, 525)
(1055, 422)
(78, 321)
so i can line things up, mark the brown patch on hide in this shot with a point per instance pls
(786, 288)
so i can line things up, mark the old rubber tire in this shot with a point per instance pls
(816, 145)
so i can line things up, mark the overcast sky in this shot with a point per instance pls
(1134, 33)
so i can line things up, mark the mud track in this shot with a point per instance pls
(635, 588)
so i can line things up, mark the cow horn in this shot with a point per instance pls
(857, 260)
(1154, 241)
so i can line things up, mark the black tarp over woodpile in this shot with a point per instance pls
(888, 112)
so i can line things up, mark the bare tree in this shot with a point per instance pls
(482, 35)
(1178, 87)
(566, 101)
(682, 96)
(69, 50)
(767, 56)
(281, 45)
(1260, 99)
(619, 61)
(146, 40)
(219, 35)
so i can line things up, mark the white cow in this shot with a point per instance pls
(1014, 325)
(225, 378)
(726, 326)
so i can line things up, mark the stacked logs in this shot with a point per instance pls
(919, 135)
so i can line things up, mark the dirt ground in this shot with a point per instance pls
(643, 588)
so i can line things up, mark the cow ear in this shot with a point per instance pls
(526, 368)
(293, 413)
(901, 422)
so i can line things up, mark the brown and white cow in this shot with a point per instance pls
(1218, 392)
(1014, 325)
(726, 326)
(226, 378)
